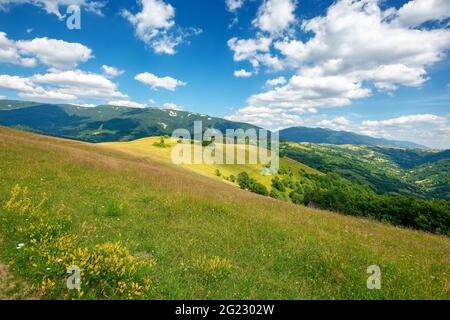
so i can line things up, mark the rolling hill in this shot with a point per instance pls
(142, 228)
(417, 172)
(328, 136)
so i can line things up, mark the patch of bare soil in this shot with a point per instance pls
(6, 283)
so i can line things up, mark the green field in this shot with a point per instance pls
(142, 228)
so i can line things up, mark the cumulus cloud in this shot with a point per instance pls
(256, 51)
(172, 106)
(9, 53)
(80, 84)
(111, 72)
(127, 103)
(415, 13)
(155, 82)
(265, 117)
(57, 54)
(155, 25)
(246, 49)
(27, 89)
(233, 5)
(242, 73)
(339, 123)
(53, 6)
(275, 16)
(406, 120)
(65, 86)
(346, 54)
(276, 82)
(427, 129)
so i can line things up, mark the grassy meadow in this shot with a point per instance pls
(149, 148)
(140, 227)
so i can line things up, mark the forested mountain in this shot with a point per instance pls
(103, 123)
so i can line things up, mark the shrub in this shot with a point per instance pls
(297, 198)
(277, 184)
(258, 188)
(274, 193)
(247, 183)
(161, 143)
(243, 180)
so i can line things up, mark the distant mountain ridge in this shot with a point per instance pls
(107, 123)
(320, 135)
(104, 123)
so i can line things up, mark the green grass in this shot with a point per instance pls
(208, 239)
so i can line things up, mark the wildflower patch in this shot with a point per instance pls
(46, 246)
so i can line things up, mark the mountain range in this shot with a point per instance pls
(319, 135)
(104, 123)
(108, 123)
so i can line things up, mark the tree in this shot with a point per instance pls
(277, 184)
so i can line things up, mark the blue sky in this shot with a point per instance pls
(375, 67)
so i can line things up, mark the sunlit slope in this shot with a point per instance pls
(207, 239)
(146, 148)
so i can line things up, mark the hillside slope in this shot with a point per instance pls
(148, 147)
(193, 237)
(320, 135)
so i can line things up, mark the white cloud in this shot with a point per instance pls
(275, 16)
(155, 82)
(233, 5)
(355, 46)
(10, 54)
(67, 86)
(16, 83)
(306, 91)
(416, 12)
(276, 82)
(426, 129)
(155, 17)
(87, 105)
(407, 120)
(266, 117)
(58, 54)
(154, 25)
(2, 97)
(250, 49)
(26, 88)
(53, 6)
(242, 73)
(127, 103)
(111, 71)
(172, 106)
(339, 123)
(80, 84)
